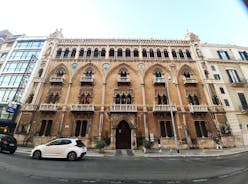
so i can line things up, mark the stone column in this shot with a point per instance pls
(102, 111)
(144, 110)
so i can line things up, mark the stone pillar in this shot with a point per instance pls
(144, 111)
(102, 111)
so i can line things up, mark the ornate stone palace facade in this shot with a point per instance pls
(123, 90)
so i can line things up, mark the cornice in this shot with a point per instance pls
(132, 42)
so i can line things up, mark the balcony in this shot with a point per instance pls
(159, 81)
(86, 80)
(123, 80)
(82, 108)
(164, 108)
(240, 83)
(48, 107)
(29, 107)
(123, 108)
(57, 80)
(198, 108)
(217, 108)
(243, 109)
(189, 80)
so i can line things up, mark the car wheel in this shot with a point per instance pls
(82, 156)
(37, 155)
(72, 156)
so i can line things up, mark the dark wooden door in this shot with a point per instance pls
(123, 136)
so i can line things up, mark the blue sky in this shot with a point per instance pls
(215, 21)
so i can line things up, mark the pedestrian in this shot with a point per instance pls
(159, 146)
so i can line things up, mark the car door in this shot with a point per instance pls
(51, 149)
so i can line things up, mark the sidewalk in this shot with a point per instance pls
(156, 153)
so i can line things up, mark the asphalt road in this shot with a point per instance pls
(20, 169)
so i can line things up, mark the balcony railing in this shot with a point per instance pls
(123, 108)
(243, 110)
(198, 108)
(240, 83)
(164, 108)
(123, 80)
(59, 80)
(29, 107)
(86, 80)
(189, 80)
(217, 108)
(159, 80)
(82, 108)
(48, 107)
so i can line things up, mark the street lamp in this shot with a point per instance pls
(166, 84)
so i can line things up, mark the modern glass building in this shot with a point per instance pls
(15, 76)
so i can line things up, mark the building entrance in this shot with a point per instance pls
(123, 136)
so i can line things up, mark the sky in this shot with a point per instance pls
(214, 21)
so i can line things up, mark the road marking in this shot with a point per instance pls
(172, 182)
(63, 180)
(224, 176)
(200, 180)
(116, 182)
(88, 181)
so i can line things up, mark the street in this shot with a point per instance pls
(21, 169)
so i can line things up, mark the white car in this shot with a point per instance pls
(72, 149)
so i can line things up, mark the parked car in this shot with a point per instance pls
(72, 149)
(7, 143)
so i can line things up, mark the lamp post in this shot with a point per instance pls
(166, 84)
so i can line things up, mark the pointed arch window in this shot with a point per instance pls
(111, 52)
(128, 53)
(103, 53)
(96, 53)
(186, 74)
(81, 53)
(88, 54)
(151, 53)
(166, 54)
(181, 54)
(144, 54)
(174, 54)
(59, 53)
(188, 54)
(66, 53)
(136, 53)
(159, 53)
(73, 53)
(117, 99)
(119, 52)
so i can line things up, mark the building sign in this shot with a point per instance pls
(12, 107)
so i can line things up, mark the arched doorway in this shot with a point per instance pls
(123, 136)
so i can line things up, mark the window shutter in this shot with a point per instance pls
(48, 129)
(243, 100)
(42, 128)
(162, 129)
(219, 54)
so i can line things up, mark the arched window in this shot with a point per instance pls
(59, 52)
(96, 53)
(129, 99)
(123, 73)
(89, 73)
(136, 53)
(81, 53)
(186, 74)
(196, 100)
(174, 54)
(158, 53)
(117, 99)
(159, 100)
(88, 54)
(103, 53)
(73, 53)
(164, 99)
(144, 54)
(151, 53)
(81, 128)
(188, 54)
(119, 52)
(123, 99)
(66, 53)
(190, 99)
(111, 52)
(166, 54)
(128, 53)
(181, 54)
